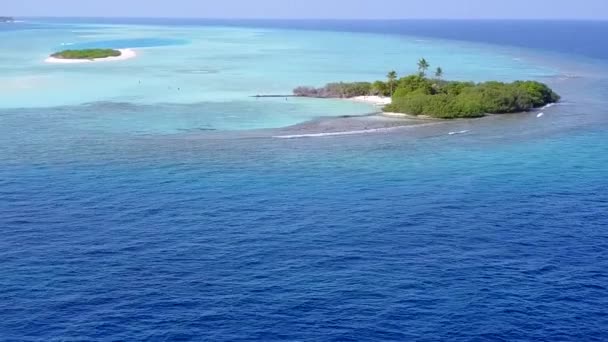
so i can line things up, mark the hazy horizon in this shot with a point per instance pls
(596, 10)
(303, 19)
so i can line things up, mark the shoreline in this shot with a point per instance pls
(381, 101)
(407, 116)
(125, 54)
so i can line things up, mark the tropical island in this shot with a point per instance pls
(7, 20)
(90, 55)
(434, 97)
(86, 54)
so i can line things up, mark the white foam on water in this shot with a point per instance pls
(549, 105)
(459, 132)
(540, 115)
(329, 134)
(361, 131)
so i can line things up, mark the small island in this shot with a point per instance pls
(7, 20)
(90, 55)
(434, 97)
(86, 54)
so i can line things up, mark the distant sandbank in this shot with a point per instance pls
(124, 55)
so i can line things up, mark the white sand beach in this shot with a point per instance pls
(124, 55)
(379, 101)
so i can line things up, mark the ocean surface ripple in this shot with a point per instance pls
(308, 240)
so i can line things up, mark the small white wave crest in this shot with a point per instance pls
(329, 134)
(459, 132)
(549, 105)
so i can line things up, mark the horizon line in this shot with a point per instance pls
(312, 19)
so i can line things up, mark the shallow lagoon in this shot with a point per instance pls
(218, 66)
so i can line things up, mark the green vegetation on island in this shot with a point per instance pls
(340, 90)
(420, 95)
(86, 54)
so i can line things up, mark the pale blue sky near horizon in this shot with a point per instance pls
(313, 9)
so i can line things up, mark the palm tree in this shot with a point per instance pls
(439, 72)
(423, 66)
(392, 77)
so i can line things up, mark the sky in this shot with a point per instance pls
(313, 9)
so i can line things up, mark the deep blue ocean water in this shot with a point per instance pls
(499, 234)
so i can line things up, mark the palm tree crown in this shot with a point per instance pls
(438, 72)
(423, 66)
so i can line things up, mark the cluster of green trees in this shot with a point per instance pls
(336, 90)
(392, 84)
(465, 99)
(420, 95)
(86, 54)
(348, 89)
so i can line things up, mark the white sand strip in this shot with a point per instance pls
(374, 100)
(381, 101)
(124, 55)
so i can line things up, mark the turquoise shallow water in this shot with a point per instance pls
(140, 212)
(225, 66)
(125, 43)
